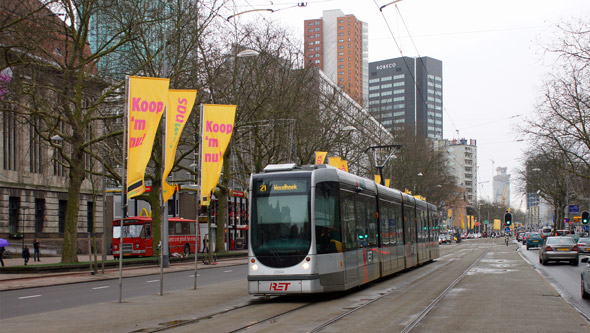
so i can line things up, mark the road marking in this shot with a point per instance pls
(228, 271)
(96, 288)
(32, 296)
(194, 275)
(152, 281)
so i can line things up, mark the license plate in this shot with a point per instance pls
(535, 241)
(588, 249)
(563, 249)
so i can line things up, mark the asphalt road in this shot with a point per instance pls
(563, 276)
(38, 300)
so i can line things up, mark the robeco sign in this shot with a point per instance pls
(392, 65)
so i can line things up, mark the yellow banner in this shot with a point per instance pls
(320, 157)
(180, 105)
(338, 162)
(378, 179)
(387, 182)
(217, 125)
(147, 97)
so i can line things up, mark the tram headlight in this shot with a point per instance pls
(254, 267)
(305, 265)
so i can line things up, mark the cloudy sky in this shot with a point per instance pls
(493, 61)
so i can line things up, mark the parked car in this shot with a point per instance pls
(533, 239)
(559, 248)
(519, 236)
(584, 245)
(585, 278)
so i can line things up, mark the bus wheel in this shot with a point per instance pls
(187, 250)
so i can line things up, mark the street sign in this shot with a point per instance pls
(506, 229)
(486, 222)
(574, 209)
(586, 228)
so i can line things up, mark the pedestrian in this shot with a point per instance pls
(2, 255)
(205, 248)
(26, 254)
(36, 250)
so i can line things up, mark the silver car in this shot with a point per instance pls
(585, 280)
(584, 245)
(559, 248)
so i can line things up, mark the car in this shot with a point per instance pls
(533, 239)
(524, 236)
(546, 232)
(559, 248)
(585, 278)
(575, 237)
(584, 245)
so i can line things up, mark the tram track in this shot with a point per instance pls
(280, 313)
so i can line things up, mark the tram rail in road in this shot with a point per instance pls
(281, 313)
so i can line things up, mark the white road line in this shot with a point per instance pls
(32, 296)
(153, 281)
(194, 275)
(228, 271)
(96, 288)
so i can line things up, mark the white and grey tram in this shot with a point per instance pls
(317, 229)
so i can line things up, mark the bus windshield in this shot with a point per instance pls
(281, 227)
(130, 231)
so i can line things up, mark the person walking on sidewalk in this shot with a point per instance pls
(26, 254)
(2, 249)
(36, 250)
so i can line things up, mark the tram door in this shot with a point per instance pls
(349, 238)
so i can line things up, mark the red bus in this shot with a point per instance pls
(137, 236)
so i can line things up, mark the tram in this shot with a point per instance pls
(316, 229)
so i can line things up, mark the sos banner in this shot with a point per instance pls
(180, 105)
(217, 128)
(147, 98)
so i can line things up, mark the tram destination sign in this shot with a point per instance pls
(282, 186)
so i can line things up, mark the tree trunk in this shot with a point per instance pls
(76, 175)
(222, 196)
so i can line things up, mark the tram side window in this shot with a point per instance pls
(384, 220)
(148, 230)
(361, 221)
(348, 220)
(371, 218)
(399, 225)
(171, 228)
(327, 218)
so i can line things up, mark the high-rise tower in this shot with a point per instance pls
(407, 93)
(338, 45)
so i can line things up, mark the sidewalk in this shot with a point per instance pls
(21, 281)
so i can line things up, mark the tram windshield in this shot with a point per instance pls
(280, 224)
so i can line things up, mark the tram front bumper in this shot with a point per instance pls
(280, 286)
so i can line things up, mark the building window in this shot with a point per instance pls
(317, 29)
(89, 216)
(35, 149)
(61, 216)
(341, 41)
(317, 35)
(386, 78)
(317, 61)
(317, 42)
(400, 76)
(39, 214)
(13, 214)
(9, 128)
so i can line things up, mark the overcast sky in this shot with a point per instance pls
(493, 64)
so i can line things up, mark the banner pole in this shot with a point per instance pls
(164, 256)
(123, 187)
(199, 191)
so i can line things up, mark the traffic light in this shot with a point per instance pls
(585, 217)
(508, 219)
